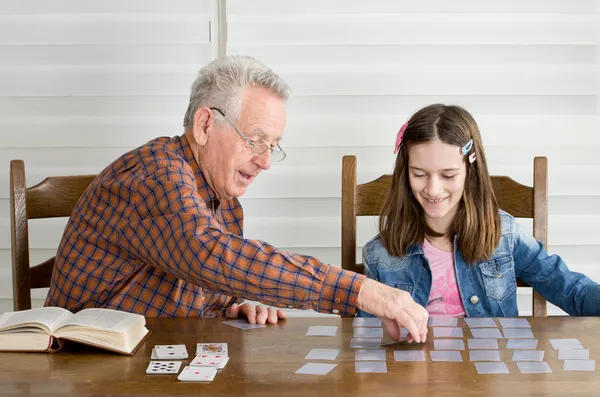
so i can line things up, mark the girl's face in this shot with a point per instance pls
(437, 173)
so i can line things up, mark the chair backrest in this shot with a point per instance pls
(53, 197)
(518, 200)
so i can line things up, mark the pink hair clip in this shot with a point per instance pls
(399, 137)
(472, 158)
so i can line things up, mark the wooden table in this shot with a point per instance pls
(263, 362)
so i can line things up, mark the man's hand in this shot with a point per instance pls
(255, 314)
(395, 308)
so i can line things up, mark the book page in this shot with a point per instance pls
(51, 318)
(106, 319)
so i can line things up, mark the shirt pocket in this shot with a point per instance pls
(402, 286)
(499, 277)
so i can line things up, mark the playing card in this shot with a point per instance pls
(209, 360)
(491, 368)
(533, 367)
(365, 343)
(448, 344)
(443, 321)
(243, 324)
(197, 374)
(530, 344)
(514, 323)
(322, 354)
(447, 332)
(491, 344)
(368, 332)
(316, 369)
(565, 344)
(486, 333)
(322, 330)
(579, 365)
(404, 334)
(574, 354)
(449, 355)
(212, 348)
(517, 333)
(409, 355)
(163, 368)
(528, 355)
(480, 322)
(370, 367)
(484, 355)
(170, 352)
(369, 355)
(366, 322)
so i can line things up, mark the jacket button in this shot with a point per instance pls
(474, 299)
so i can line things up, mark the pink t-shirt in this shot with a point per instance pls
(444, 298)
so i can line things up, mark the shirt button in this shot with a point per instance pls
(336, 311)
(290, 307)
(474, 299)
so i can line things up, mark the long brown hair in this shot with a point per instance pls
(477, 223)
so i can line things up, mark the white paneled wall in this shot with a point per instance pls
(82, 82)
(528, 71)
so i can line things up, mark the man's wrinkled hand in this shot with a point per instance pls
(255, 314)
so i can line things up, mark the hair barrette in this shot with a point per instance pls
(399, 137)
(467, 148)
(472, 158)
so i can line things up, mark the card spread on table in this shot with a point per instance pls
(517, 333)
(491, 344)
(445, 355)
(243, 324)
(480, 322)
(447, 332)
(322, 330)
(170, 352)
(369, 355)
(528, 344)
(486, 333)
(528, 355)
(368, 332)
(491, 368)
(443, 321)
(370, 367)
(534, 367)
(558, 344)
(409, 355)
(514, 323)
(322, 354)
(197, 374)
(212, 348)
(448, 344)
(574, 354)
(163, 368)
(209, 360)
(484, 355)
(316, 369)
(365, 343)
(366, 322)
(579, 365)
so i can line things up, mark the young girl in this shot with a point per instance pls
(443, 239)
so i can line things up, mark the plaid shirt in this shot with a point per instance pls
(149, 236)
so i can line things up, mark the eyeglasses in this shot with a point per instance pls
(257, 148)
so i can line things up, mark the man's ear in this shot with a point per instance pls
(203, 122)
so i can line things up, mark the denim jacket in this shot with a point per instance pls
(489, 288)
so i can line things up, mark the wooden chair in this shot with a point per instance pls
(518, 200)
(53, 197)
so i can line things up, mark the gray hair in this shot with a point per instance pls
(222, 82)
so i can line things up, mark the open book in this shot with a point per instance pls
(45, 329)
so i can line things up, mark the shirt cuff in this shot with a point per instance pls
(339, 292)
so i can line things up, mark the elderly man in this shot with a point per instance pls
(159, 231)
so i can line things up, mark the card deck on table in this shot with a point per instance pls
(212, 348)
(369, 355)
(316, 369)
(528, 355)
(574, 354)
(558, 344)
(170, 352)
(480, 322)
(322, 354)
(579, 365)
(483, 344)
(368, 332)
(163, 368)
(322, 330)
(527, 344)
(445, 355)
(534, 367)
(491, 368)
(443, 321)
(409, 355)
(447, 332)
(484, 355)
(486, 333)
(209, 360)
(448, 344)
(243, 324)
(370, 367)
(366, 322)
(197, 374)
(517, 333)
(514, 323)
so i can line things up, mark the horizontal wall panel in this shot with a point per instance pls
(105, 6)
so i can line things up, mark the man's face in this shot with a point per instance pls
(226, 159)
